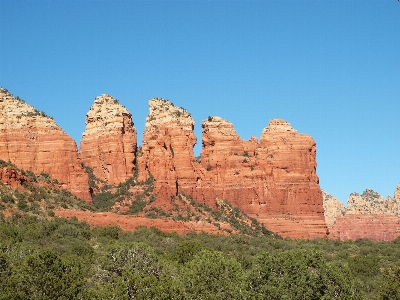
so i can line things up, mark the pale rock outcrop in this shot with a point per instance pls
(332, 209)
(33, 141)
(369, 215)
(109, 143)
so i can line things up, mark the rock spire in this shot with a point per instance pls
(33, 141)
(108, 144)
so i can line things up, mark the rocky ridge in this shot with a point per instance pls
(367, 215)
(332, 209)
(108, 144)
(270, 180)
(33, 141)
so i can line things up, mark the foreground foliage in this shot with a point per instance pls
(65, 259)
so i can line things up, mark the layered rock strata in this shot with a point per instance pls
(273, 179)
(33, 141)
(369, 215)
(379, 227)
(282, 166)
(108, 144)
(167, 150)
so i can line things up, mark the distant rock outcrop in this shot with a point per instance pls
(367, 215)
(333, 208)
(108, 144)
(33, 141)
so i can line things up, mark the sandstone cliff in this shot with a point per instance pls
(167, 150)
(273, 180)
(33, 141)
(108, 144)
(370, 202)
(369, 215)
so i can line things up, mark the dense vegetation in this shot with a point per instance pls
(45, 257)
(65, 259)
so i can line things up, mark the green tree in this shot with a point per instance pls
(187, 250)
(299, 274)
(45, 275)
(213, 275)
(390, 286)
(132, 257)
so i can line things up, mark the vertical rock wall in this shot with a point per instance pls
(108, 144)
(368, 215)
(274, 180)
(271, 180)
(33, 141)
(167, 150)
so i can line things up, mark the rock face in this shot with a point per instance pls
(333, 208)
(12, 178)
(370, 202)
(33, 141)
(379, 227)
(108, 144)
(369, 215)
(167, 150)
(273, 179)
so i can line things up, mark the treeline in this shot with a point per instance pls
(66, 259)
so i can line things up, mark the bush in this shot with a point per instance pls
(212, 275)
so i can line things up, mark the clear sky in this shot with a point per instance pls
(330, 68)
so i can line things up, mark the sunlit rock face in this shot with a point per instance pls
(33, 141)
(109, 143)
(369, 215)
(273, 179)
(167, 151)
(333, 208)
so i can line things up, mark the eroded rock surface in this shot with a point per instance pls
(33, 141)
(167, 150)
(11, 177)
(333, 208)
(108, 144)
(369, 215)
(273, 179)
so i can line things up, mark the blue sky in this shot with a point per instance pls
(330, 68)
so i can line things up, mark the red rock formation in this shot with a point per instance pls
(271, 180)
(167, 150)
(274, 180)
(370, 216)
(12, 178)
(379, 227)
(33, 141)
(109, 142)
(130, 223)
